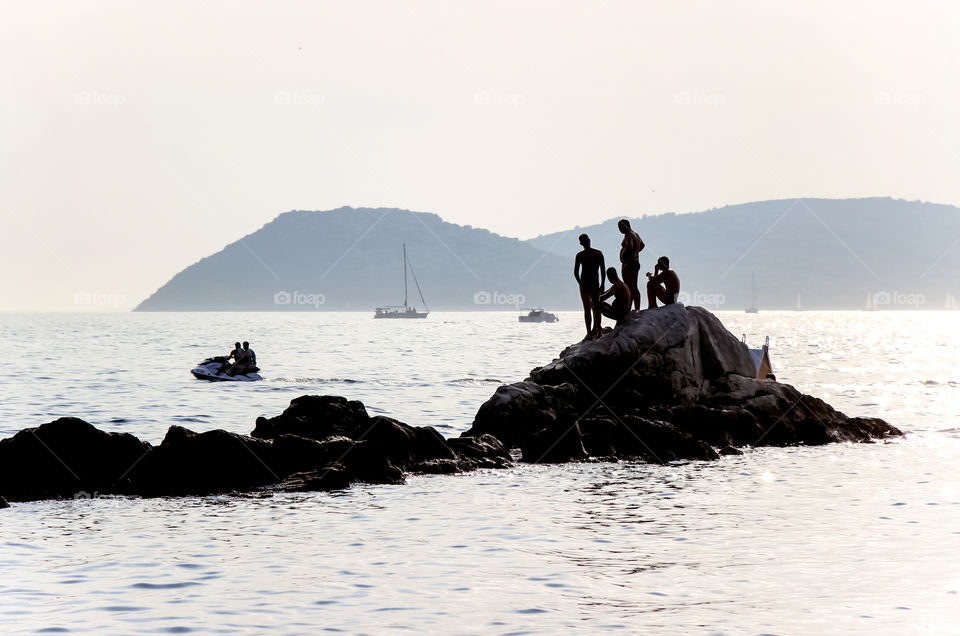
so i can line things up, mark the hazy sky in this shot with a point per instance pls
(139, 137)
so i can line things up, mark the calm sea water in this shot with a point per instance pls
(843, 538)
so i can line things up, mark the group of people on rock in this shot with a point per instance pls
(591, 273)
(244, 360)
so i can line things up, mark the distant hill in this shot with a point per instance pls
(350, 259)
(832, 252)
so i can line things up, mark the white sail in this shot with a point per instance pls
(950, 303)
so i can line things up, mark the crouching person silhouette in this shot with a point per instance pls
(619, 309)
(663, 284)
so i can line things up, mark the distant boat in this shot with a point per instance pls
(538, 315)
(871, 304)
(753, 309)
(799, 305)
(405, 311)
(950, 303)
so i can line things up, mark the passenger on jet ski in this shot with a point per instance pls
(245, 362)
(251, 357)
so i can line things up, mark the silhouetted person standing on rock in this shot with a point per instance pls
(663, 284)
(620, 308)
(588, 270)
(630, 250)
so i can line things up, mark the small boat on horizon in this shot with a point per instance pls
(871, 304)
(753, 309)
(538, 315)
(950, 303)
(404, 311)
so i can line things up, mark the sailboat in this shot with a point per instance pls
(406, 311)
(753, 309)
(871, 304)
(950, 303)
(799, 306)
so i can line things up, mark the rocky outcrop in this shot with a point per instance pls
(65, 457)
(671, 384)
(317, 443)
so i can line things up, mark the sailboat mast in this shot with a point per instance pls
(405, 275)
(754, 277)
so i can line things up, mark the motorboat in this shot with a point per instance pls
(215, 370)
(538, 315)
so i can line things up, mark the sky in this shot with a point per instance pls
(138, 138)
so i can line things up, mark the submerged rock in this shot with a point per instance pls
(671, 384)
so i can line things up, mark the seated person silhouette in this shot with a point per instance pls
(588, 270)
(245, 363)
(663, 284)
(620, 308)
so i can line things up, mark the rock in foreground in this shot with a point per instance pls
(671, 384)
(317, 443)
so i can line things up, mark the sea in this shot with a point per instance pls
(845, 538)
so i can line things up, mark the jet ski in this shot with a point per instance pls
(215, 370)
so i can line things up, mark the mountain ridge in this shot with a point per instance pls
(831, 252)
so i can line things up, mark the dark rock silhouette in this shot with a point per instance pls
(671, 384)
(65, 458)
(317, 443)
(189, 463)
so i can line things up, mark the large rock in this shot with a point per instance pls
(66, 458)
(671, 384)
(664, 353)
(321, 417)
(189, 463)
(317, 443)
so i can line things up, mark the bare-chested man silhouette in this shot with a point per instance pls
(630, 250)
(589, 271)
(663, 284)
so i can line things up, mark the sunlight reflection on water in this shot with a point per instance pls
(844, 538)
